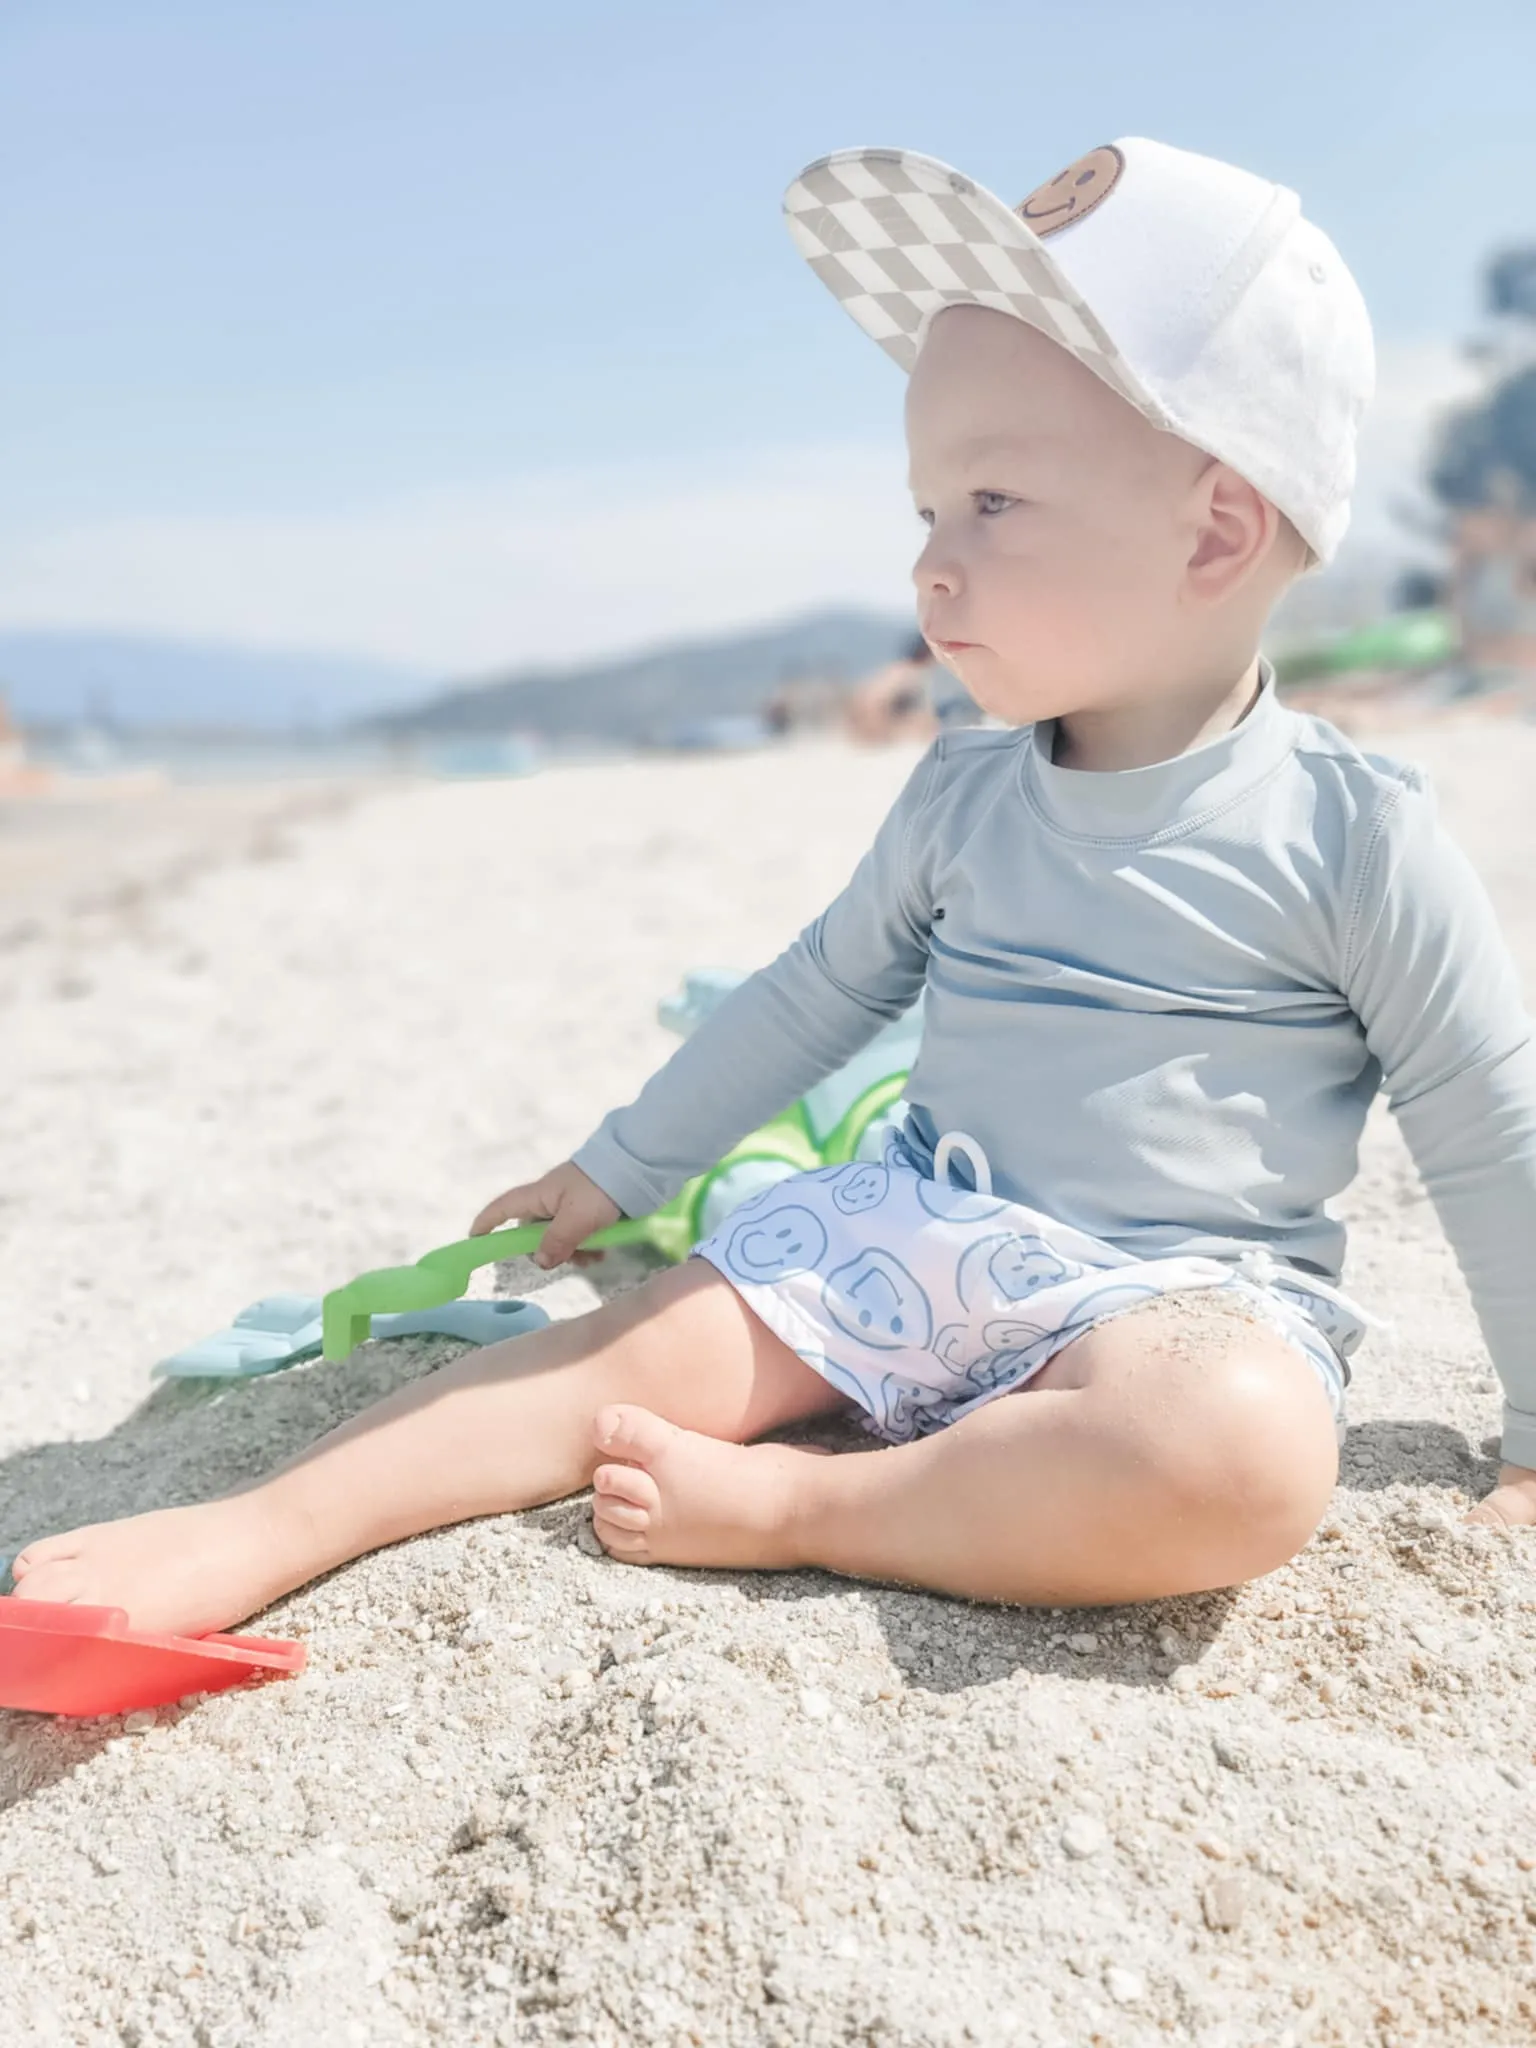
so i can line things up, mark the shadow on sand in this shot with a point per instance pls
(192, 1440)
(1382, 1454)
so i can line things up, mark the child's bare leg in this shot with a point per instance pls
(500, 1428)
(1133, 1467)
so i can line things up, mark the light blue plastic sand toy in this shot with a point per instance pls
(285, 1328)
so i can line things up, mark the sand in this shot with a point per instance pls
(524, 1794)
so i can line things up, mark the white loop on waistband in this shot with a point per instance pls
(961, 1141)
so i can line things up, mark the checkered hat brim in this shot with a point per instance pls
(895, 237)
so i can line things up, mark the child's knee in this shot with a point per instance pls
(1232, 1438)
(1257, 1453)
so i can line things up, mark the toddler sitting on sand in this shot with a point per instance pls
(1173, 938)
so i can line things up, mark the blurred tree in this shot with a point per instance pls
(1485, 453)
(1419, 589)
(1482, 445)
(1512, 283)
(1483, 472)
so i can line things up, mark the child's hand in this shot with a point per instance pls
(1512, 1503)
(574, 1203)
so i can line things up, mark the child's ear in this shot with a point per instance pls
(1235, 529)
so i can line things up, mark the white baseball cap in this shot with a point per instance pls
(1194, 289)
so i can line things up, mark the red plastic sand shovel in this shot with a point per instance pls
(60, 1659)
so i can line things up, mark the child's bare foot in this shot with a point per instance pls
(681, 1498)
(183, 1571)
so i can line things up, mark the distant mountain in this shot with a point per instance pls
(136, 682)
(657, 694)
(131, 680)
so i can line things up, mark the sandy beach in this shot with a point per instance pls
(524, 1794)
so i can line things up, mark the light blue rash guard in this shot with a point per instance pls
(1163, 1000)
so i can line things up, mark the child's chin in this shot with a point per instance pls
(1013, 707)
(1015, 698)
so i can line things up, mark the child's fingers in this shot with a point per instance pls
(559, 1241)
(574, 1222)
(520, 1205)
(1507, 1507)
(1512, 1503)
(570, 1228)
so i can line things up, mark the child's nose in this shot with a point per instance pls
(936, 572)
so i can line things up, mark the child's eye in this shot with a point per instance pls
(987, 503)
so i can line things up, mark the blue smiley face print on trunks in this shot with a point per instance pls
(998, 1369)
(1010, 1267)
(766, 1247)
(952, 1345)
(875, 1300)
(1026, 1264)
(1011, 1334)
(905, 1408)
(865, 1188)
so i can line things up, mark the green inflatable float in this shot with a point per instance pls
(1405, 640)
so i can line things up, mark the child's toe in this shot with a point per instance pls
(633, 1434)
(631, 1545)
(627, 1483)
(49, 1550)
(621, 1514)
(58, 1580)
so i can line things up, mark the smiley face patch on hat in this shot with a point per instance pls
(1073, 193)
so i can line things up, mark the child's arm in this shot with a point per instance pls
(859, 965)
(1427, 972)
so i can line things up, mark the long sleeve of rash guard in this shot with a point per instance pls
(1429, 976)
(858, 966)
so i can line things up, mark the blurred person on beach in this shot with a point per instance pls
(1172, 937)
(911, 698)
(19, 777)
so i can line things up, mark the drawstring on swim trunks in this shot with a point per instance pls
(1258, 1265)
(1263, 1270)
(960, 1141)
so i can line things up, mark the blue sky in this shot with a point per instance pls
(463, 331)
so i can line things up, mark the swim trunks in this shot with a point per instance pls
(921, 1300)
